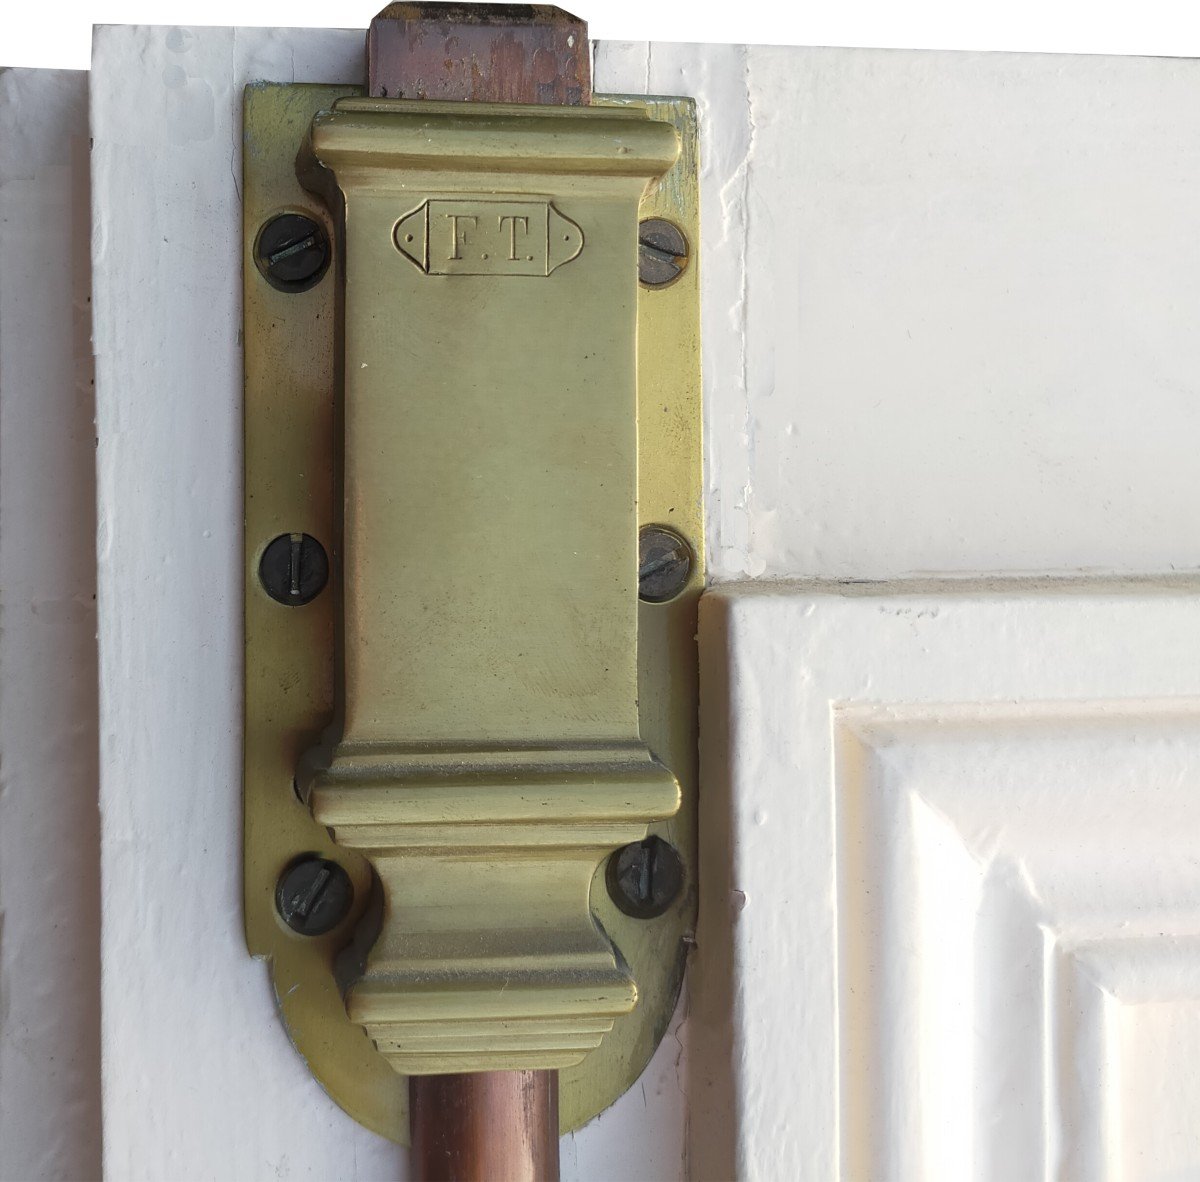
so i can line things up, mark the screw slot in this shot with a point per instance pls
(645, 878)
(662, 252)
(292, 252)
(294, 569)
(313, 896)
(664, 564)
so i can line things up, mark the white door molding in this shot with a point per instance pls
(964, 890)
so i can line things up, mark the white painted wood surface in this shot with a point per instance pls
(949, 307)
(49, 825)
(200, 1080)
(963, 904)
(948, 327)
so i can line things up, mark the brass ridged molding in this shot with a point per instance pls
(478, 711)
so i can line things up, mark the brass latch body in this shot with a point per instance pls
(479, 713)
(489, 754)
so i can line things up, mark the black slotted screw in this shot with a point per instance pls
(662, 252)
(313, 896)
(292, 251)
(294, 569)
(645, 877)
(664, 564)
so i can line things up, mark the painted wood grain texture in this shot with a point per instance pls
(192, 1042)
(49, 824)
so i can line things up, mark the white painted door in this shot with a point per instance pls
(961, 932)
(952, 747)
(950, 901)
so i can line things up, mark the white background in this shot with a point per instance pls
(59, 34)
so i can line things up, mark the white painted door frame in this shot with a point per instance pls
(49, 823)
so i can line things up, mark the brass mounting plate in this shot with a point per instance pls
(291, 371)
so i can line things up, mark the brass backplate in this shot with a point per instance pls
(291, 429)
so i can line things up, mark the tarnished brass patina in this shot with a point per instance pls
(478, 710)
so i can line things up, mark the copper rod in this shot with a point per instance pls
(483, 53)
(494, 1126)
